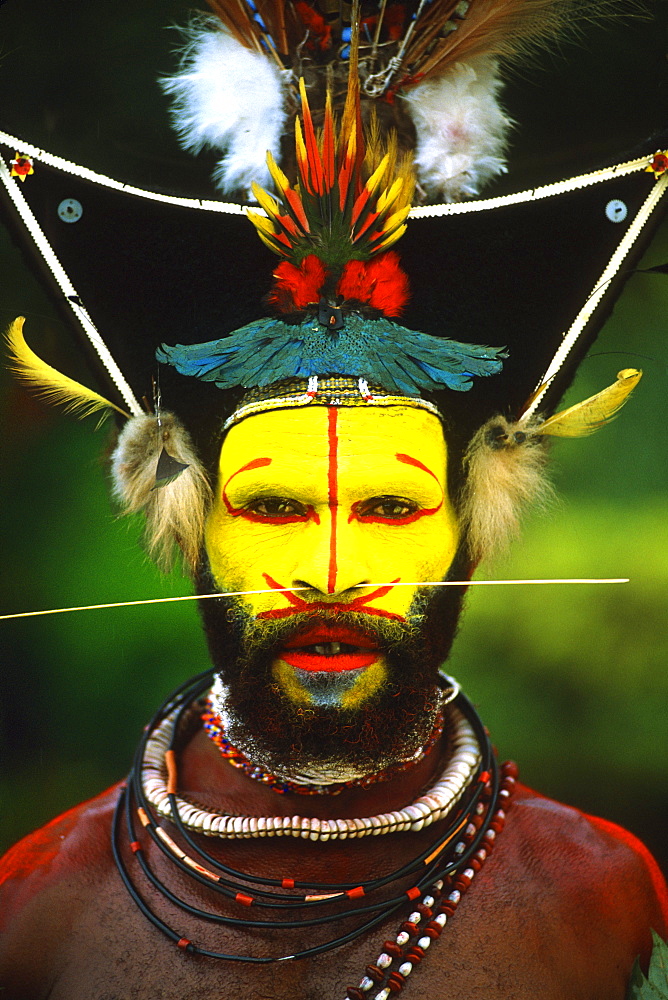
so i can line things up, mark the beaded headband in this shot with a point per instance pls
(334, 390)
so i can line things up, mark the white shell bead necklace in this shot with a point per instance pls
(425, 810)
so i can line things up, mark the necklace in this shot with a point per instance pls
(159, 783)
(402, 954)
(439, 876)
(324, 779)
(215, 730)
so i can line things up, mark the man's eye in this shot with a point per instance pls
(277, 507)
(392, 508)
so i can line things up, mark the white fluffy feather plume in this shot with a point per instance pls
(231, 98)
(461, 130)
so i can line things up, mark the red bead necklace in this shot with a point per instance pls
(399, 957)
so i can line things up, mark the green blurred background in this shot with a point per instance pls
(570, 680)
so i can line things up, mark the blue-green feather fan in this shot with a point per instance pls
(378, 350)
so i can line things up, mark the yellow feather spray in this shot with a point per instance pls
(49, 382)
(586, 417)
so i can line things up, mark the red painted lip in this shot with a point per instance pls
(332, 664)
(296, 655)
(330, 632)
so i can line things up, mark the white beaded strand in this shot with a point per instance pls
(427, 809)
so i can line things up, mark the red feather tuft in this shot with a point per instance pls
(379, 283)
(320, 31)
(294, 287)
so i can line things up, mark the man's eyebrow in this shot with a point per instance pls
(256, 463)
(409, 460)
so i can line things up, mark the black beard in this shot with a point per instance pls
(291, 739)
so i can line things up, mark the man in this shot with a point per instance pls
(333, 503)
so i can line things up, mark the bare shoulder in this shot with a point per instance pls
(46, 880)
(598, 871)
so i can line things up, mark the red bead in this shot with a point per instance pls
(373, 972)
(497, 825)
(508, 784)
(415, 954)
(136, 846)
(433, 929)
(413, 893)
(356, 893)
(396, 982)
(408, 927)
(288, 883)
(484, 777)
(475, 865)
(183, 943)
(353, 993)
(245, 900)
(448, 909)
(510, 769)
(392, 948)
(425, 911)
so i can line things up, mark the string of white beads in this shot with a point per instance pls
(427, 809)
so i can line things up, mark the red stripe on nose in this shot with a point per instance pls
(332, 472)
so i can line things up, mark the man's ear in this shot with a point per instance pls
(155, 469)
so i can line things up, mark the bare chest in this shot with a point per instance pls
(499, 944)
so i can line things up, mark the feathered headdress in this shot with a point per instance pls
(337, 285)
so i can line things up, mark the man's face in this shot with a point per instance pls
(331, 511)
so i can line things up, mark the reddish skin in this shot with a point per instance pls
(559, 911)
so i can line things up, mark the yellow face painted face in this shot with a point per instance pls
(346, 502)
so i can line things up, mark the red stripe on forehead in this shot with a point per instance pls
(409, 460)
(332, 485)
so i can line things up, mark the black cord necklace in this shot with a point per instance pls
(470, 830)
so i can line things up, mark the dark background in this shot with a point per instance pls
(570, 680)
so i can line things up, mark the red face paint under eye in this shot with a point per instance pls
(358, 514)
(309, 513)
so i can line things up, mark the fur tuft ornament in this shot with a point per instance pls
(48, 382)
(505, 462)
(175, 505)
(505, 468)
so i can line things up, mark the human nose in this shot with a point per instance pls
(334, 559)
